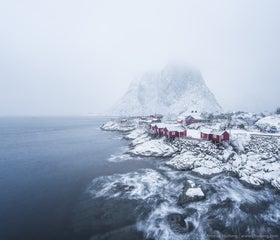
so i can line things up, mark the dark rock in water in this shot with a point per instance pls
(177, 223)
(191, 226)
(177, 218)
(186, 185)
(182, 199)
(119, 187)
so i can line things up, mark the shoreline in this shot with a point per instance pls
(253, 160)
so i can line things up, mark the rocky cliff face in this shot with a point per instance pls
(174, 90)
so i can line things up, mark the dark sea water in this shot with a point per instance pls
(46, 166)
(64, 178)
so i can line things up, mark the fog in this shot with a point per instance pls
(78, 57)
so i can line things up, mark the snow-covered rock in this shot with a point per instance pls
(190, 193)
(269, 123)
(175, 89)
(240, 140)
(120, 125)
(183, 161)
(194, 192)
(153, 148)
(136, 133)
(254, 158)
(207, 171)
(259, 163)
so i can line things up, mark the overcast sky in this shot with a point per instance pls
(77, 57)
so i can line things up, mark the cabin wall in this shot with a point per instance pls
(216, 138)
(225, 137)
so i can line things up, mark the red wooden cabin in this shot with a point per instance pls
(160, 129)
(153, 128)
(175, 132)
(206, 134)
(220, 136)
(195, 118)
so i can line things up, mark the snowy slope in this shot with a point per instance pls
(174, 90)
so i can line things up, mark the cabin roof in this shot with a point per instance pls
(161, 125)
(218, 132)
(207, 130)
(175, 128)
(169, 127)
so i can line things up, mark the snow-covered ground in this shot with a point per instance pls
(192, 133)
(269, 123)
(255, 161)
(123, 125)
(253, 158)
(153, 147)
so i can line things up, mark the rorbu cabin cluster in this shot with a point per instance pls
(167, 130)
(178, 131)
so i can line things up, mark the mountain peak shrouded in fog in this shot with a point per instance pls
(173, 90)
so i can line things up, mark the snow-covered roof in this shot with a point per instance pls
(175, 128)
(161, 125)
(212, 131)
(193, 115)
(196, 116)
(218, 132)
(169, 127)
(207, 130)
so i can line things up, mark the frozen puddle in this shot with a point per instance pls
(227, 207)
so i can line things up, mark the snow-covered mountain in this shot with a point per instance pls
(174, 90)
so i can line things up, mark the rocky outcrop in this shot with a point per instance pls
(190, 193)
